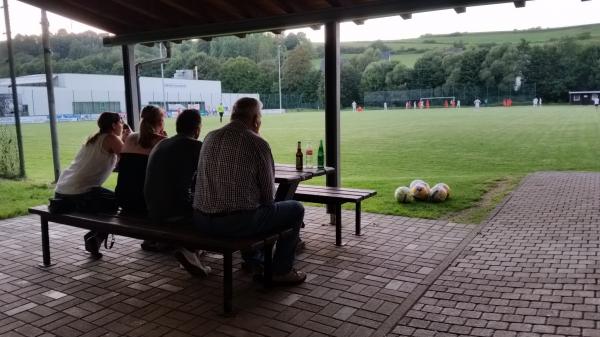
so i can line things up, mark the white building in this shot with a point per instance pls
(85, 94)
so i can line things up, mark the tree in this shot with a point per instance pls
(375, 77)
(239, 75)
(361, 61)
(296, 67)
(291, 41)
(349, 84)
(502, 65)
(399, 78)
(466, 71)
(379, 45)
(428, 71)
(209, 67)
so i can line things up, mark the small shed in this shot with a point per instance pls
(583, 97)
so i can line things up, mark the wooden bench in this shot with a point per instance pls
(178, 236)
(335, 196)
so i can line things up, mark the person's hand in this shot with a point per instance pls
(126, 131)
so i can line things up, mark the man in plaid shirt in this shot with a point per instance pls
(235, 189)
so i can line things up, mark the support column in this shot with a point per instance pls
(132, 98)
(332, 101)
(332, 111)
(50, 90)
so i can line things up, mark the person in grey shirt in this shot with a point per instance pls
(234, 194)
(170, 176)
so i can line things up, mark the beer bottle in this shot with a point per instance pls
(299, 157)
(321, 156)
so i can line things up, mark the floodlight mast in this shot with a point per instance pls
(279, 73)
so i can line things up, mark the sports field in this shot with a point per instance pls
(474, 151)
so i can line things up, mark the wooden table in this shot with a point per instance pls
(288, 179)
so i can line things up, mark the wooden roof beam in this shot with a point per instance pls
(190, 12)
(317, 17)
(141, 10)
(79, 12)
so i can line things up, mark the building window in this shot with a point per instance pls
(576, 98)
(83, 108)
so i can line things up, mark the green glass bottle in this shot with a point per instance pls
(321, 156)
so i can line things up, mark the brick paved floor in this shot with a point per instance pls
(532, 270)
(356, 290)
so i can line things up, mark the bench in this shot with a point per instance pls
(335, 196)
(181, 236)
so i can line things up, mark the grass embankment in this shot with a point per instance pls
(474, 151)
(408, 51)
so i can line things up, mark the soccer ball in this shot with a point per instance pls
(439, 192)
(419, 189)
(445, 186)
(416, 182)
(403, 195)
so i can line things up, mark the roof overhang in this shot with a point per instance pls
(140, 21)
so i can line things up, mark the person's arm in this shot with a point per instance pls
(266, 173)
(112, 144)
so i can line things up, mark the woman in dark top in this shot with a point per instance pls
(134, 159)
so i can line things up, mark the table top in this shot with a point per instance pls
(285, 173)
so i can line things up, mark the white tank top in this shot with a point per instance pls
(90, 168)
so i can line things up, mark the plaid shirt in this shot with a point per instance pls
(235, 171)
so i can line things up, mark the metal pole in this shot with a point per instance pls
(162, 77)
(50, 89)
(132, 102)
(279, 72)
(13, 83)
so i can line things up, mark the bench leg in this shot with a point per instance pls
(268, 265)
(357, 221)
(45, 243)
(227, 282)
(338, 225)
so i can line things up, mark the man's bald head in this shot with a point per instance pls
(247, 111)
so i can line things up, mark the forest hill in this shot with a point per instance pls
(250, 64)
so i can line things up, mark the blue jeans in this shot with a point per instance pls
(265, 219)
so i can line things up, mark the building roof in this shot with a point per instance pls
(28, 80)
(585, 92)
(146, 21)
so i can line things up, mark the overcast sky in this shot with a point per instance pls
(538, 13)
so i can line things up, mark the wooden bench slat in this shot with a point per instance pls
(335, 196)
(329, 188)
(320, 198)
(143, 230)
(336, 192)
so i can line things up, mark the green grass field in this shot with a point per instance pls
(473, 151)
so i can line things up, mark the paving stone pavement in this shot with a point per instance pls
(354, 290)
(532, 270)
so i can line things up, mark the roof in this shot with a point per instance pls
(585, 92)
(28, 80)
(145, 21)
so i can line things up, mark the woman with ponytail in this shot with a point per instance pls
(94, 162)
(134, 159)
(79, 186)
